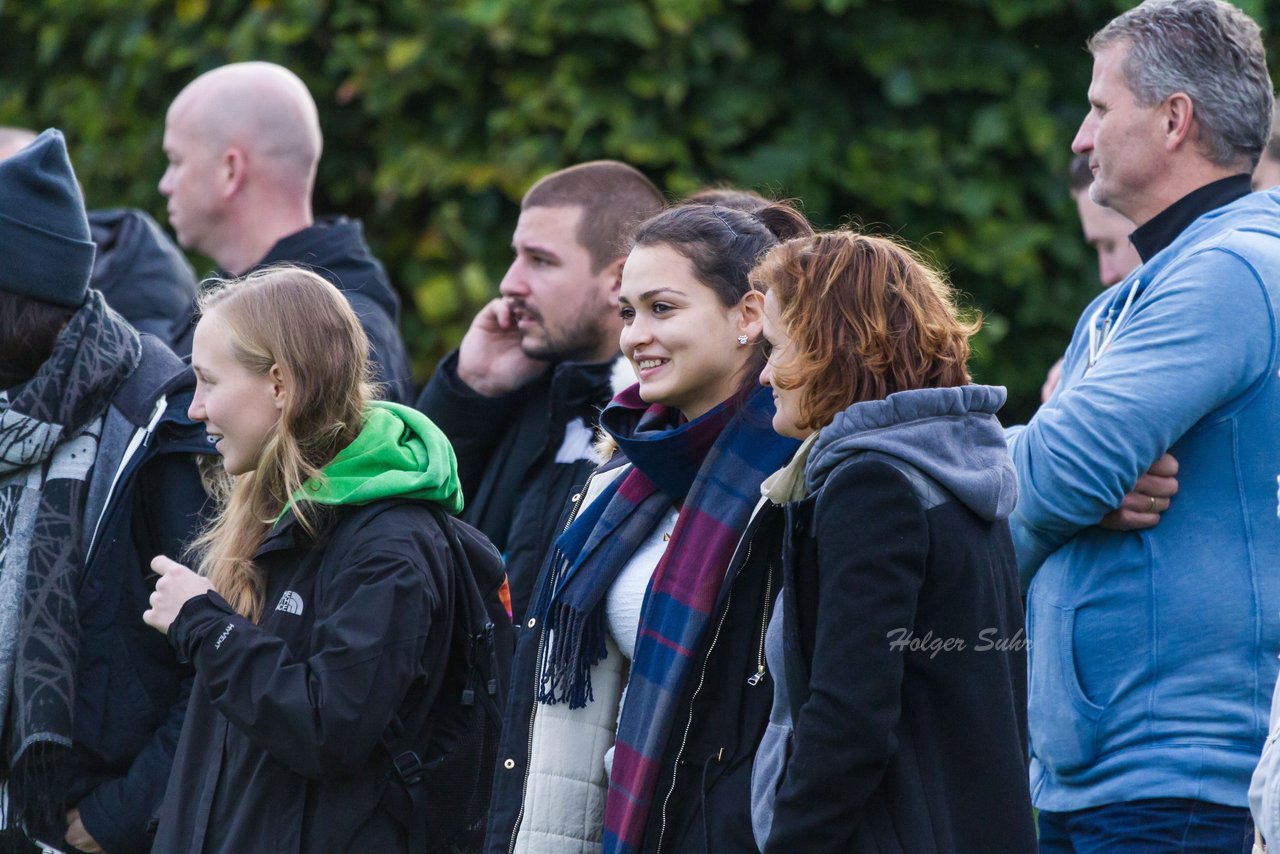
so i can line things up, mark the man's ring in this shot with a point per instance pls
(1153, 504)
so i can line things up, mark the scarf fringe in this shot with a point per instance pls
(577, 645)
(35, 803)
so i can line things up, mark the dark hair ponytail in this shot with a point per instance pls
(784, 221)
(723, 244)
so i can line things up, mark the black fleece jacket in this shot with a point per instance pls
(334, 247)
(144, 275)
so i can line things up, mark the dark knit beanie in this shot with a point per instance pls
(44, 234)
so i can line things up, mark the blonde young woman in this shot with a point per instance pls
(321, 612)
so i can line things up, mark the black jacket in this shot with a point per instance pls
(704, 784)
(281, 751)
(130, 690)
(334, 247)
(901, 749)
(143, 275)
(516, 465)
(702, 802)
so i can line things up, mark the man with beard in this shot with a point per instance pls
(520, 397)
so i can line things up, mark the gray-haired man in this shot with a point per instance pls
(1153, 651)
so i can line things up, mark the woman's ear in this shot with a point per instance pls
(279, 392)
(751, 315)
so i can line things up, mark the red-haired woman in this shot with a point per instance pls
(899, 714)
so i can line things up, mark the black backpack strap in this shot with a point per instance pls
(478, 634)
(469, 611)
(409, 768)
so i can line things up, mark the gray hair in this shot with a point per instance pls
(1212, 52)
(1273, 144)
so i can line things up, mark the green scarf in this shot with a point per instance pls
(399, 453)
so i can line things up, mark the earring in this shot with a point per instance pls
(742, 339)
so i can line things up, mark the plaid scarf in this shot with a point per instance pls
(715, 464)
(49, 431)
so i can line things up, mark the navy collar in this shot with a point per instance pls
(1163, 228)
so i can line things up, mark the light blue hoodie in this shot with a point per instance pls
(1153, 653)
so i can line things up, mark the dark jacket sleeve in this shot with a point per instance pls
(475, 424)
(117, 812)
(323, 715)
(871, 545)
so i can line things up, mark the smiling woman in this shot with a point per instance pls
(690, 444)
(680, 337)
(239, 407)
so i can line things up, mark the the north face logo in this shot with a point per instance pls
(290, 603)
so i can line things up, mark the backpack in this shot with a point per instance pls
(448, 796)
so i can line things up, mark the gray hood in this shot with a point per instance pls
(951, 434)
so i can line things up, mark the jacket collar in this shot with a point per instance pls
(1164, 227)
(284, 535)
(588, 383)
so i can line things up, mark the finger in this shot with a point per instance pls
(503, 313)
(1140, 521)
(1155, 486)
(163, 565)
(1166, 466)
(1129, 520)
(1137, 502)
(1146, 504)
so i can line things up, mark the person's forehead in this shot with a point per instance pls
(178, 120)
(1108, 67)
(557, 225)
(188, 113)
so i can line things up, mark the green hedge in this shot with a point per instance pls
(947, 122)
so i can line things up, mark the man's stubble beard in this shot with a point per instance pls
(578, 343)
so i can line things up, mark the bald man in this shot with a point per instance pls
(243, 143)
(139, 270)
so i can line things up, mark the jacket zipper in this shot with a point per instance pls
(533, 712)
(139, 442)
(755, 678)
(688, 723)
